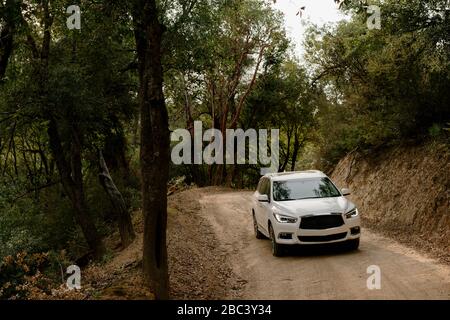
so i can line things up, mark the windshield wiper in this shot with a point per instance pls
(307, 198)
(298, 199)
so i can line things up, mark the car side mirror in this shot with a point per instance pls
(263, 198)
(345, 192)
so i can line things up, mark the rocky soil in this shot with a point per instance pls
(403, 193)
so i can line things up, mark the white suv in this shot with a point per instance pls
(303, 208)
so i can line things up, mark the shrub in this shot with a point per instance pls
(33, 276)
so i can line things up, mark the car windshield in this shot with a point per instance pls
(304, 189)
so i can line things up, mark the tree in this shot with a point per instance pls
(9, 18)
(155, 145)
(230, 46)
(383, 86)
(70, 170)
(76, 105)
(285, 99)
(126, 230)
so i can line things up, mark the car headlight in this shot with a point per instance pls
(284, 219)
(352, 213)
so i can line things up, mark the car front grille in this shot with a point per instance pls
(330, 237)
(321, 222)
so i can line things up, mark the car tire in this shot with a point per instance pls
(277, 249)
(353, 244)
(258, 234)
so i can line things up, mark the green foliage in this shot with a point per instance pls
(215, 59)
(90, 90)
(34, 224)
(384, 86)
(284, 99)
(435, 130)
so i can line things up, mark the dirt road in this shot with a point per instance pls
(322, 273)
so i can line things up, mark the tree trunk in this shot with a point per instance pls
(121, 212)
(231, 173)
(296, 150)
(288, 151)
(70, 172)
(218, 174)
(155, 146)
(7, 29)
(71, 179)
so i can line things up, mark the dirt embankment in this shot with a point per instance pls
(403, 192)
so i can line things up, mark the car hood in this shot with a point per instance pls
(306, 207)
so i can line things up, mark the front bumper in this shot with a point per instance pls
(291, 233)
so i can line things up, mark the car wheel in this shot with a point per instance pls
(277, 249)
(258, 233)
(353, 244)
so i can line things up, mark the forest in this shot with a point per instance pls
(86, 113)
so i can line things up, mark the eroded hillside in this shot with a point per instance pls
(405, 192)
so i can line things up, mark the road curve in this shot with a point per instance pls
(319, 273)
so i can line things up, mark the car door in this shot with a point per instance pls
(256, 204)
(264, 207)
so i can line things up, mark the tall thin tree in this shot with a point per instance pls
(155, 145)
